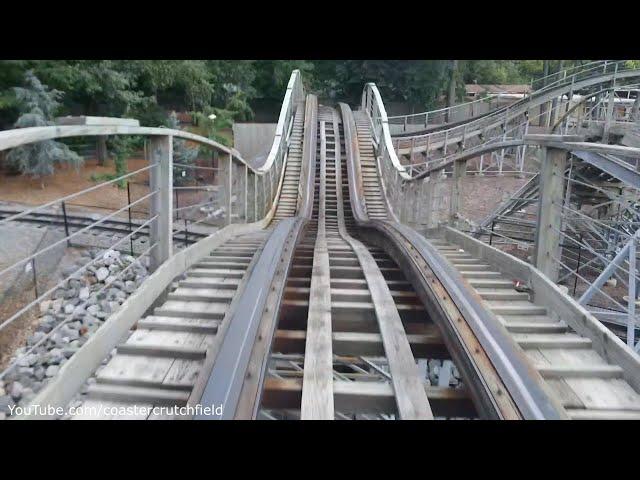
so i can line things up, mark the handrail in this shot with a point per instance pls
(462, 132)
(576, 69)
(567, 72)
(445, 109)
(509, 363)
(372, 104)
(543, 95)
(22, 136)
(293, 95)
(441, 117)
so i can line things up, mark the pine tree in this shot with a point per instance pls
(38, 105)
(182, 155)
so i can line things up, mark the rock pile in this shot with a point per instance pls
(80, 307)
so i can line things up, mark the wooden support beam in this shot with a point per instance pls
(367, 397)
(423, 345)
(459, 172)
(317, 392)
(161, 181)
(547, 245)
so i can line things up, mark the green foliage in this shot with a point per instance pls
(212, 127)
(97, 87)
(148, 89)
(492, 72)
(121, 147)
(38, 104)
(416, 81)
(231, 76)
(272, 76)
(238, 105)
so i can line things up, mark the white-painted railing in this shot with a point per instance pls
(598, 67)
(469, 110)
(498, 126)
(245, 194)
(373, 105)
(454, 113)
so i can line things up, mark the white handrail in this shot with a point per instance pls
(292, 96)
(503, 117)
(372, 104)
(567, 76)
(21, 136)
(436, 116)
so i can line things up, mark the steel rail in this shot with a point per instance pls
(477, 127)
(523, 383)
(527, 101)
(226, 378)
(83, 363)
(259, 301)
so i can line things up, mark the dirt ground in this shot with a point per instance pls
(483, 194)
(66, 180)
(25, 190)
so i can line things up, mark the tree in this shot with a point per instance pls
(183, 155)
(96, 87)
(38, 105)
(419, 82)
(493, 72)
(120, 147)
(453, 80)
(271, 76)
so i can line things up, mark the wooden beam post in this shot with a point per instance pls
(161, 181)
(255, 197)
(228, 187)
(547, 246)
(459, 172)
(246, 193)
(609, 116)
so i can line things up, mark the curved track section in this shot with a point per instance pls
(353, 336)
(567, 82)
(330, 308)
(476, 332)
(509, 123)
(556, 360)
(177, 352)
